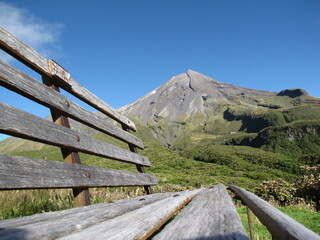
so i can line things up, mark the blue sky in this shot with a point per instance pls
(123, 49)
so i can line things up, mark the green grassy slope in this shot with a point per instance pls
(295, 139)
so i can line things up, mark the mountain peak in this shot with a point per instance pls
(185, 95)
(192, 72)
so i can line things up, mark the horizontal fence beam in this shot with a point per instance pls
(21, 51)
(26, 173)
(279, 224)
(25, 85)
(21, 124)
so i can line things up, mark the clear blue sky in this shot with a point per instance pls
(123, 49)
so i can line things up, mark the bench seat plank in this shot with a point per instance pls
(138, 224)
(211, 215)
(53, 225)
(26, 173)
(18, 123)
(31, 58)
(29, 87)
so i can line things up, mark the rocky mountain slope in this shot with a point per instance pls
(187, 94)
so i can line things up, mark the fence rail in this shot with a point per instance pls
(279, 224)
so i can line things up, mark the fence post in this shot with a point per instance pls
(81, 195)
(140, 168)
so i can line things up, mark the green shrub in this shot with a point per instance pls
(279, 190)
(308, 186)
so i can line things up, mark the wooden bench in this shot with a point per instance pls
(203, 213)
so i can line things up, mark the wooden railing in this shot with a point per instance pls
(279, 224)
(23, 173)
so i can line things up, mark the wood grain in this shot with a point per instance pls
(211, 215)
(34, 60)
(25, 85)
(18, 123)
(53, 225)
(137, 224)
(22, 52)
(26, 173)
(279, 224)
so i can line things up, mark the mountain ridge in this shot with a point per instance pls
(187, 94)
(191, 105)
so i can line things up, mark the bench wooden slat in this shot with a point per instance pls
(18, 123)
(138, 224)
(279, 224)
(110, 210)
(29, 87)
(211, 215)
(26, 173)
(31, 58)
(53, 225)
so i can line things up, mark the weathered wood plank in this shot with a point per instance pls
(211, 215)
(53, 225)
(34, 60)
(279, 224)
(26, 173)
(29, 87)
(22, 52)
(18, 123)
(138, 224)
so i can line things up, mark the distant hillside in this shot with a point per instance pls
(295, 139)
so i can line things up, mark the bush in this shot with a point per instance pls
(308, 186)
(279, 190)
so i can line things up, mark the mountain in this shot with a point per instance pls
(187, 94)
(192, 106)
